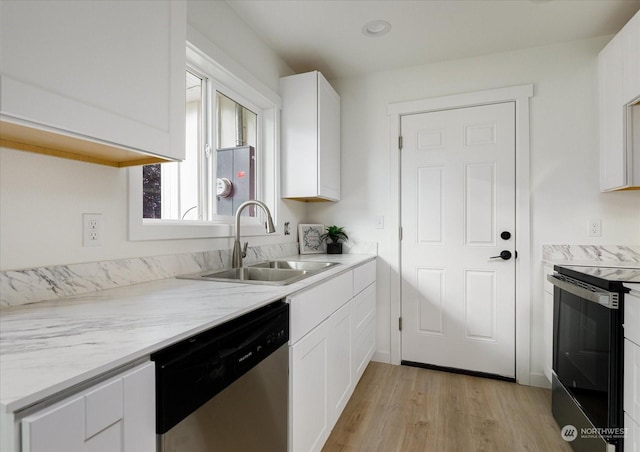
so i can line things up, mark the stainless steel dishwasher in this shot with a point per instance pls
(226, 389)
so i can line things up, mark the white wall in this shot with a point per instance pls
(564, 157)
(42, 198)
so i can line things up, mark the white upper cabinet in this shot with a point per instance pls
(619, 109)
(310, 138)
(631, 63)
(104, 76)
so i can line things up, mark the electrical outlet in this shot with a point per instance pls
(91, 229)
(595, 227)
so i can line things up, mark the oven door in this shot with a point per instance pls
(587, 351)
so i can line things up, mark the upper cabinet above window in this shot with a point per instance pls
(310, 138)
(95, 81)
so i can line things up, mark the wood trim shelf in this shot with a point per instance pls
(31, 139)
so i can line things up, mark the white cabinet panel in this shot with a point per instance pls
(117, 415)
(57, 429)
(363, 349)
(340, 337)
(107, 71)
(611, 114)
(619, 87)
(103, 407)
(364, 309)
(309, 366)
(632, 379)
(363, 276)
(140, 409)
(310, 138)
(632, 318)
(632, 440)
(631, 63)
(312, 306)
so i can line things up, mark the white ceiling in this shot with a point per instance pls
(326, 34)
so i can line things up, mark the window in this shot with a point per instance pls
(230, 158)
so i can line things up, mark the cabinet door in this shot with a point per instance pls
(613, 164)
(139, 433)
(631, 60)
(632, 440)
(309, 392)
(328, 140)
(109, 70)
(632, 379)
(113, 416)
(340, 374)
(56, 429)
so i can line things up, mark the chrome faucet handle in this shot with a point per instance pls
(244, 249)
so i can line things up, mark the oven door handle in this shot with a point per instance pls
(586, 291)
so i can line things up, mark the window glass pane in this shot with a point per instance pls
(236, 156)
(206, 187)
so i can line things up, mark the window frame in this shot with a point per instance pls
(253, 93)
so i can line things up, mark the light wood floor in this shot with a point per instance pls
(405, 409)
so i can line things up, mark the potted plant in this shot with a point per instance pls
(334, 237)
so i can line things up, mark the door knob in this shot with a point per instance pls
(505, 235)
(504, 255)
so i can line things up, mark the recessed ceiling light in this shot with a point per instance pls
(376, 28)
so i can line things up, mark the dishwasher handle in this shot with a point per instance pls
(584, 290)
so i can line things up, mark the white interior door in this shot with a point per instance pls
(457, 203)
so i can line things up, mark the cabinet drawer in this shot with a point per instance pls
(632, 379)
(58, 428)
(363, 349)
(103, 407)
(363, 276)
(311, 307)
(364, 309)
(632, 318)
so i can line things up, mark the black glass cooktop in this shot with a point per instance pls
(610, 278)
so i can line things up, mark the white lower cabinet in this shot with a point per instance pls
(632, 438)
(309, 375)
(327, 361)
(340, 375)
(114, 415)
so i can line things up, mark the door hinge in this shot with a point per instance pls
(400, 323)
(400, 233)
(400, 142)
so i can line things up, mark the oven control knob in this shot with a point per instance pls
(504, 255)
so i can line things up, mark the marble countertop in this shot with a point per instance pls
(49, 347)
(592, 263)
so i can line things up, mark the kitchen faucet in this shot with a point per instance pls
(239, 254)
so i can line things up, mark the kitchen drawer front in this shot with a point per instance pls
(363, 349)
(363, 276)
(56, 428)
(311, 307)
(103, 407)
(364, 309)
(632, 380)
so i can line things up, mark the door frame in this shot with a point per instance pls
(520, 95)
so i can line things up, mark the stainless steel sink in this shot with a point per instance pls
(295, 265)
(275, 273)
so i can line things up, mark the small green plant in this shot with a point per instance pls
(334, 234)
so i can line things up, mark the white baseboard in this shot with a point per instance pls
(381, 357)
(539, 381)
